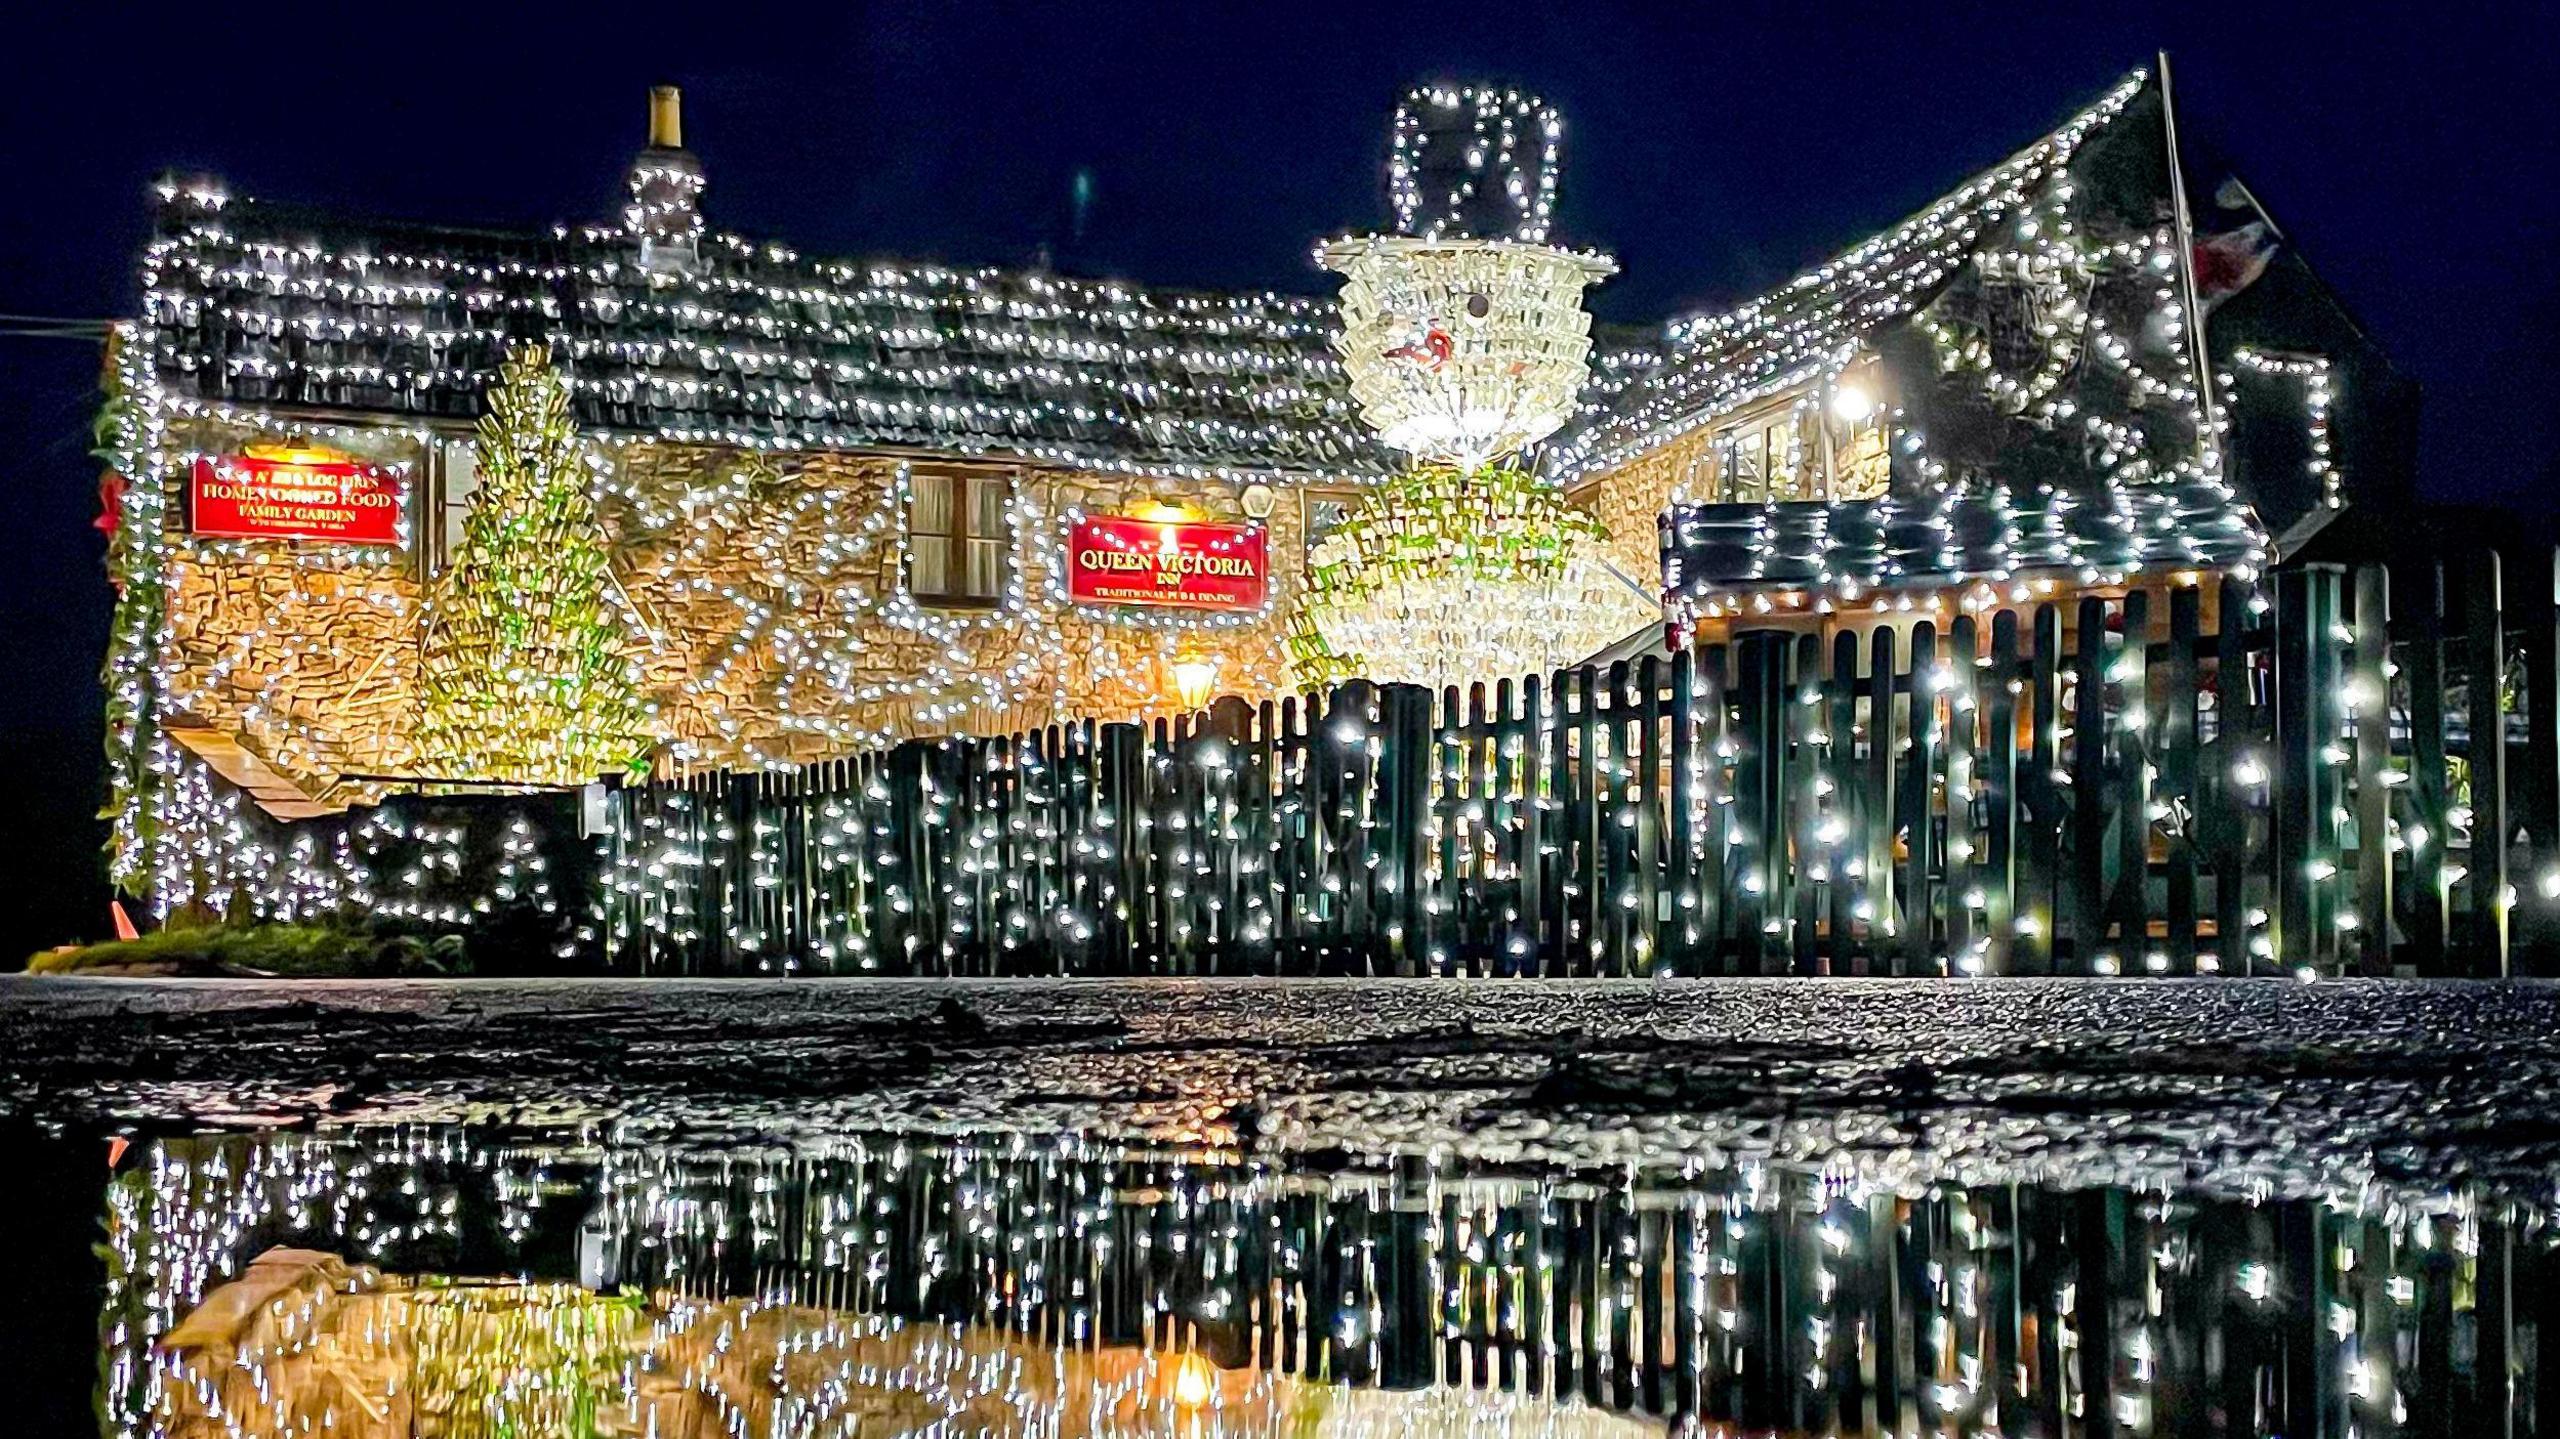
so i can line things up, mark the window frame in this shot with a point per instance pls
(1757, 433)
(955, 544)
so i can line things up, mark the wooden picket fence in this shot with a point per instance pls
(2194, 779)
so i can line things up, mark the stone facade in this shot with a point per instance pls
(1630, 498)
(310, 666)
(783, 629)
(303, 656)
(773, 622)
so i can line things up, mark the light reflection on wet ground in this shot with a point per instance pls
(437, 1280)
(1110, 1208)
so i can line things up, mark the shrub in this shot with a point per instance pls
(298, 951)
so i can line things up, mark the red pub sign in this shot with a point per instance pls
(258, 497)
(1120, 560)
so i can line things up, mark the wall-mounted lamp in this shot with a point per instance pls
(1851, 403)
(1195, 677)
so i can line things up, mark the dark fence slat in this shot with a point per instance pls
(2179, 795)
(1613, 783)
(1529, 780)
(1644, 956)
(1813, 782)
(1842, 823)
(1713, 744)
(1998, 872)
(2368, 701)
(1878, 802)
(1917, 951)
(2533, 779)
(2310, 770)
(2236, 779)
(2132, 726)
(1586, 783)
(2040, 801)
(1760, 778)
(1684, 935)
(2485, 656)
(2084, 890)
(1964, 898)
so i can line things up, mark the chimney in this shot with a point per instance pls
(666, 118)
(665, 184)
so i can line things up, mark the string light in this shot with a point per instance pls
(714, 389)
(1465, 339)
(1712, 365)
(1449, 578)
(755, 348)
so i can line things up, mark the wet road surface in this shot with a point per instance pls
(2239, 1086)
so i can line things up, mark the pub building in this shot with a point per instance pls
(839, 505)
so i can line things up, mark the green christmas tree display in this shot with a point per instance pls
(526, 676)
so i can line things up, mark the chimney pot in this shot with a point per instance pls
(665, 185)
(666, 117)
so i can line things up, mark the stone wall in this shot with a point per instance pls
(311, 664)
(1630, 499)
(782, 630)
(305, 655)
(773, 620)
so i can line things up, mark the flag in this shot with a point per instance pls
(2229, 262)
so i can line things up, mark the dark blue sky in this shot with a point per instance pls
(1714, 148)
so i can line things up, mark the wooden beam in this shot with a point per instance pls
(279, 796)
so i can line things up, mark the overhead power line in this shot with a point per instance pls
(55, 327)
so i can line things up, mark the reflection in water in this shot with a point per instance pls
(434, 1282)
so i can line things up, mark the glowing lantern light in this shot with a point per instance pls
(1194, 1382)
(1195, 677)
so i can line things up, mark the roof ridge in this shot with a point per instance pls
(255, 213)
(757, 347)
(1706, 364)
(2100, 112)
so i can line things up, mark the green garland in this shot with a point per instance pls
(1313, 664)
(130, 673)
(526, 676)
(1496, 523)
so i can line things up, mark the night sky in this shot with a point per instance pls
(1714, 148)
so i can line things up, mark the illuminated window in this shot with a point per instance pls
(1325, 511)
(1764, 460)
(1862, 464)
(1860, 438)
(958, 539)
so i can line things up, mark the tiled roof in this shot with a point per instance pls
(255, 307)
(1709, 365)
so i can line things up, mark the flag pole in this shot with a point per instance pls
(2258, 209)
(2205, 406)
